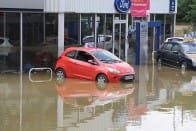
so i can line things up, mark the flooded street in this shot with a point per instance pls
(159, 100)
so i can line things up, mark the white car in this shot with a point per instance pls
(103, 41)
(178, 39)
(5, 42)
(5, 46)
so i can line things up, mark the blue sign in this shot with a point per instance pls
(172, 5)
(123, 6)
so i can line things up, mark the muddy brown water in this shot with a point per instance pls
(162, 100)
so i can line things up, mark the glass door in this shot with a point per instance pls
(119, 39)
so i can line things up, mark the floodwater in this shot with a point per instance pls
(158, 100)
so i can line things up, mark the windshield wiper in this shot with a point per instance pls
(116, 60)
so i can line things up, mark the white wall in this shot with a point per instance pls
(160, 6)
(24, 4)
(80, 6)
(99, 6)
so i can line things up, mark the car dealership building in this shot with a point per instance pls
(39, 30)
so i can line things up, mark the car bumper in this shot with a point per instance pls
(121, 77)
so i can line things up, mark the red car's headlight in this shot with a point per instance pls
(112, 70)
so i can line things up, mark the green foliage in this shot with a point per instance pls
(191, 16)
(184, 8)
(187, 12)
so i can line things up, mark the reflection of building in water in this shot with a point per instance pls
(173, 93)
(81, 101)
(22, 110)
(152, 93)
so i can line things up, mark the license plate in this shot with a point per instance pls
(129, 77)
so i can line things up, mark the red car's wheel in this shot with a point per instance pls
(60, 74)
(102, 81)
(102, 78)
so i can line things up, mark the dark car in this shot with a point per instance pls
(177, 54)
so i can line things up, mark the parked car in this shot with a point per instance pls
(178, 54)
(6, 46)
(178, 39)
(93, 64)
(100, 38)
(103, 41)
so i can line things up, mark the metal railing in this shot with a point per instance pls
(39, 70)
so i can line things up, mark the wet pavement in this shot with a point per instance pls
(160, 99)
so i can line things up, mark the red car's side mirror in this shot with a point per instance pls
(92, 62)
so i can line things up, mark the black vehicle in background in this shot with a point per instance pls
(177, 54)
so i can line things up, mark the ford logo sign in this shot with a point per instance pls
(123, 6)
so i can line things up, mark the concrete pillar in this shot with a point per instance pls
(60, 33)
(164, 27)
(174, 25)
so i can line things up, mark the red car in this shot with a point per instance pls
(93, 64)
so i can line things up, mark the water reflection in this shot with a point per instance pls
(161, 100)
(166, 99)
(82, 93)
(87, 101)
(28, 109)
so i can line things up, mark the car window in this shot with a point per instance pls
(178, 39)
(189, 48)
(104, 56)
(176, 47)
(83, 56)
(71, 54)
(167, 46)
(107, 38)
(174, 39)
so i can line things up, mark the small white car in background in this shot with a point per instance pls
(103, 41)
(5, 42)
(5, 46)
(177, 39)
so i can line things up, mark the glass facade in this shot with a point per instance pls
(39, 40)
(40, 37)
(9, 41)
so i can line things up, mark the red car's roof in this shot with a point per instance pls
(82, 48)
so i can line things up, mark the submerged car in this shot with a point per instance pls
(93, 64)
(178, 54)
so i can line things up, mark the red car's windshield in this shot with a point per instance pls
(105, 56)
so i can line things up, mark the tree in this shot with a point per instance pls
(191, 15)
(187, 12)
(183, 9)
